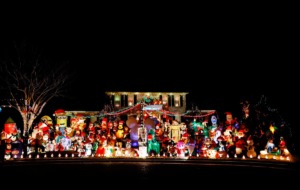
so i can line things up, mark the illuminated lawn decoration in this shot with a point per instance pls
(142, 152)
(146, 143)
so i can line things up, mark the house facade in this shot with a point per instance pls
(175, 101)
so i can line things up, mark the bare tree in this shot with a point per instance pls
(31, 80)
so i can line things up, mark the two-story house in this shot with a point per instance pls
(176, 101)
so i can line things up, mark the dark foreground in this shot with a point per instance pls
(70, 172)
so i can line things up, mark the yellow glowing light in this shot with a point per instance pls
(272, 129)
(117, 98)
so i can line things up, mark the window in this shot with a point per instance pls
(181, 100)
(171, 100)
(135, 99)
(124, 100)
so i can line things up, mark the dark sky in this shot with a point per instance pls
(218, 62)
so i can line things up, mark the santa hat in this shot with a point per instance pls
(79, 115)
(98, 137)
(103, 139)
(220, 138)
(241, 131)
(228, 113)
(185, 135)
(87, 141)
(121, 122)
(229, 128)
(249, 138)
(73, 119)
(104, 120)
(42, 125)
(59, 112)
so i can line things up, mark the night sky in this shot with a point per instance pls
(218, 63)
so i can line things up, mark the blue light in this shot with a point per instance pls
(134, 144)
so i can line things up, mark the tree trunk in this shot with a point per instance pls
(27, 122)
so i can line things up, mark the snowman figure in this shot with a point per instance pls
(88, 148)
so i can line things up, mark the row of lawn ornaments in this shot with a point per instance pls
(117, 138)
